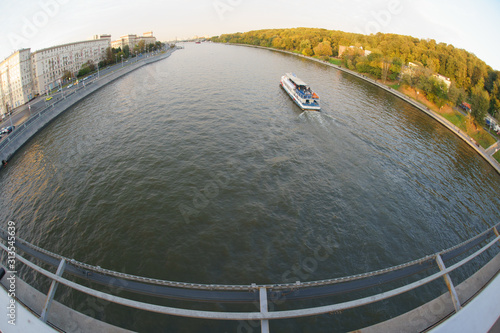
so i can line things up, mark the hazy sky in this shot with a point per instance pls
(472, 25)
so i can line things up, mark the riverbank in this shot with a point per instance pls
(443, 121)
(24, 132)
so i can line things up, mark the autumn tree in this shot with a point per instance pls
(306, 48)
(109, 56)
(324, 49)
(141, 45)
(277, 42)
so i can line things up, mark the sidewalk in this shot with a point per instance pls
(493, 148)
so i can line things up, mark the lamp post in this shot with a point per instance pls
(122, 59)
(97, 70)
(10, 117)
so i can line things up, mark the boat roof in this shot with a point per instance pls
(295, 79)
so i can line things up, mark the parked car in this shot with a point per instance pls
(7, 130)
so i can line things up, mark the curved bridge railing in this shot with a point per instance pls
(432, 267)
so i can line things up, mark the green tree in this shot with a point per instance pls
(86, 68)
(142, 45)
(439, 92)
(395, 69)
(126, 51)
(480, 102)
(456, 95)
(119, 56)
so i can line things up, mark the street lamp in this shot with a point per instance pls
(97, 70)
(10, 116)
(122, 59)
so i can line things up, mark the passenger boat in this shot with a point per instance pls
(300, 92)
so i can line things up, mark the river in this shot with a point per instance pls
(200, 168)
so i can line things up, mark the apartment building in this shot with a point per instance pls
(48, 65)
(133, 40)
(25, 74)
(16, 85)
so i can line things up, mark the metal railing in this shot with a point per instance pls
(253, 293)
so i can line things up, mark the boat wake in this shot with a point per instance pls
(321, 118)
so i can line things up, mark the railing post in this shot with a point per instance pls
(496, 232)
(264, 324)
(449, 284)
(52, 292)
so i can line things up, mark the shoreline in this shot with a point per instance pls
(443, 121)
(29, 128)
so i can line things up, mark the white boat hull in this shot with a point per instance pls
(301, 103)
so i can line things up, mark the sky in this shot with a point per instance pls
(37, 24)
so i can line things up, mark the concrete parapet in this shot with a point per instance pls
(60, 316)
(434, 312)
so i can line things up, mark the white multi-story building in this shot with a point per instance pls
(444, 79)
(148, 38)
(129, 40)
(50, 64)
(24, 74)
(133, 40)
(16, 86)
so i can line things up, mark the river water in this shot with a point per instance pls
(200, 168)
